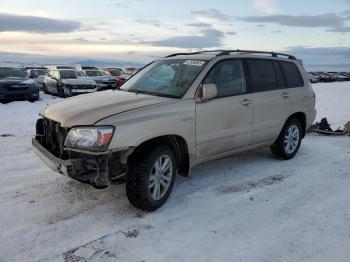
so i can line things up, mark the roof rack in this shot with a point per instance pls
(228, 52)
(274, 54)
(197, 52)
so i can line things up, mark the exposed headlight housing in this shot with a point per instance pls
(94, 138)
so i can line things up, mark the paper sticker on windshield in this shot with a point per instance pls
(194, 62)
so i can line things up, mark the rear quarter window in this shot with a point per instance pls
(291, 74)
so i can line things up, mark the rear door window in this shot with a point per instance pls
(262, 75)
(291, 74)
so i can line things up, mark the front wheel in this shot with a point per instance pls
(289, 140)
(151, 177)
(45, 89)
(60, 91)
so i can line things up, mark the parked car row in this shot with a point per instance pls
(316, 77)
(17, 82)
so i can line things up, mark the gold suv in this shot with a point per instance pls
(175, 113)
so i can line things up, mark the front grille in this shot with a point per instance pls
(83, 87)
(51, 135)
(15, 87)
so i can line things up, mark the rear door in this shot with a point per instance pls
(272, 101)
(225, 122)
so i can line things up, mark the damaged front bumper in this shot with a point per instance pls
(92, 169)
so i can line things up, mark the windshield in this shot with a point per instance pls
(115, 72)
(95, 73)
(68, 74)
(37, 72)
(81, 73)
(12, 72)
(169, 78)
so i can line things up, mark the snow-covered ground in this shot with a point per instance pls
(248, 207)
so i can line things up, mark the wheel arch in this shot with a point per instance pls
(176, 142)
(302, 118)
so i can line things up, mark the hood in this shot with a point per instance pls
(90, 108)
(39, 79)
(78, 81)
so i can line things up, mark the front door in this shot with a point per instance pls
(224, 123)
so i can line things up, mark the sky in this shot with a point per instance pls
(142, 30)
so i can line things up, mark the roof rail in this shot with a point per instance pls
(227, 52)
(197, 52)
(274, 54)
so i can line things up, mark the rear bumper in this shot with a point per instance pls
(310, 118)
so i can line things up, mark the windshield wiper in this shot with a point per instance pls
(137, 91)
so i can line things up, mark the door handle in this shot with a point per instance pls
(285, 95)
(246, 102)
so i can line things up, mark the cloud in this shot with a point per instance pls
(208, 38)
(319, 57)
(340, 29)
(152, 22)
(81, 40)
(266, 6)
(276, 31)
(213, 13)
(122, 3)
(323, 20)
(36, 24)
(340, 52)
(261, 25)
(230, 33)
(346, 14)
(199, 24)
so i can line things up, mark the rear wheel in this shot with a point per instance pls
(151, 177)
(289, 140)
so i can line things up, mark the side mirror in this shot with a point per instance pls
(209, 91)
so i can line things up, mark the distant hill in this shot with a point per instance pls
(104, 63)
(29, 59)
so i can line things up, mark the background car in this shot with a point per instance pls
(324, 77)
(344, 76)
(37, 74)
(130, 70)
(65, 82)
(120, 75)
(103, 80)
(16, 85)
(337, 76)
(314, 78)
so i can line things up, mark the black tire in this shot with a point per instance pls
(279, 148)
(32, 100)
(45, 89)
(60, 92)
(138, 179)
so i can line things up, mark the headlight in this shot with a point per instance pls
(91, 138)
